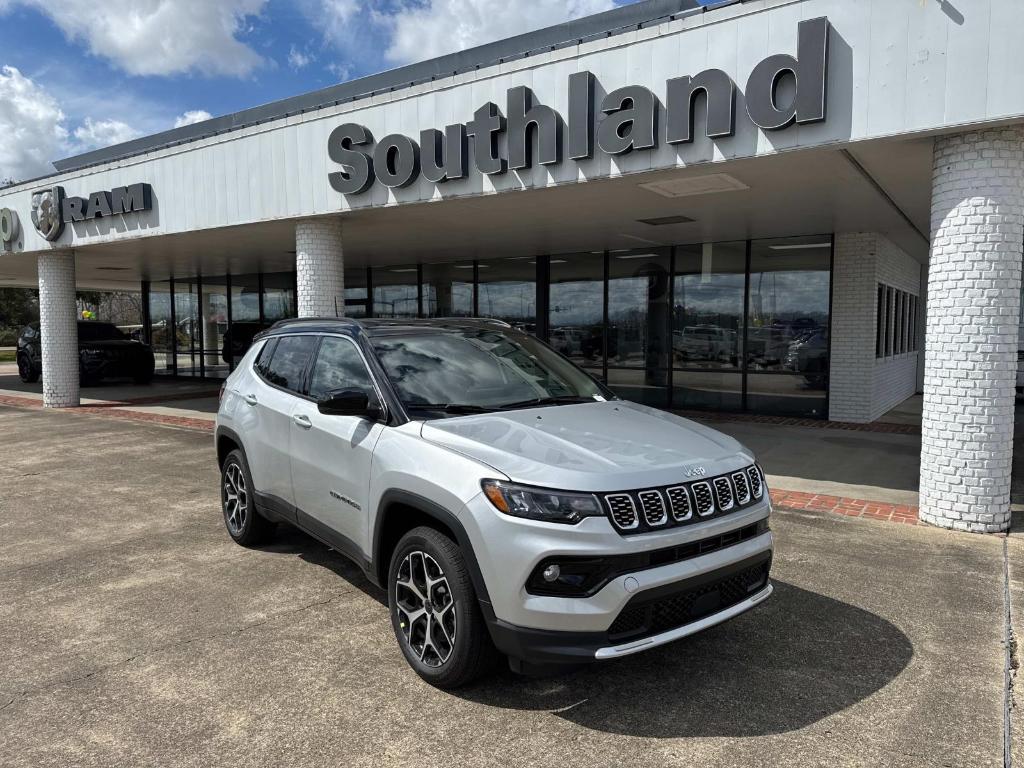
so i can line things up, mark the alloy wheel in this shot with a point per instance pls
(236, 499)
(426, 609)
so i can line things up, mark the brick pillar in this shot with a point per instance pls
(58, 326)
(974, 281)
(320, 267)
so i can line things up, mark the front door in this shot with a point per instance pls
(331, 455)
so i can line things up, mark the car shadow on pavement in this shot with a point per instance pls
(798, 658)
(291, 541)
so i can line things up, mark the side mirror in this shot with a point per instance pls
(349, 402)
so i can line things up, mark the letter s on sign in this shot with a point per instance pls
(357, 167)
(8, 227)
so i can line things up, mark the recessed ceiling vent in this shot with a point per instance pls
(695, 185)
(662, 221)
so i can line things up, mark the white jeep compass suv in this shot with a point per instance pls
(503, 498)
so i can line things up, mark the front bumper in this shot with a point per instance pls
(549, 629)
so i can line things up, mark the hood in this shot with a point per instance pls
(600, 446)
(113, 344)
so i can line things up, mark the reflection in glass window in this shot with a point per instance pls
(356, 297)
(448, 290)
(576, 309)
(278, 296)
(161, 326)
(508, 291)
(638, 293)
(789, 297)
(245, 298)
(707, 316)
(483, 369)
(339, 366)
(289, 361)
(396, 292)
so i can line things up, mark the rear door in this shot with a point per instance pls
(331, 455)
(274, 392)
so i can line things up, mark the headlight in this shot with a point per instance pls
(541, 504)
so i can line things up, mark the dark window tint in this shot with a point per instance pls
(99, 332)
(289, 361)
(338, 366)
(263, 361)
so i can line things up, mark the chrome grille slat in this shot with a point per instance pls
(739, 481)
(702, 496)
(623, 510)
(653, 506)
(723, 493)
(679, 499)
(756, 481)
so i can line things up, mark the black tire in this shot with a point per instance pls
(26, 372)
(245, 524)
(472, 653)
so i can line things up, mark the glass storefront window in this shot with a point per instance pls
(278, 296)
(396, 292)
(707, 390)
(245, 298)
(576, 309)
(707, 316)
(507, 290)
(213, 327)
(161, 326)
(638, 324)
(448, 290)
(356, 296)
(188, 336)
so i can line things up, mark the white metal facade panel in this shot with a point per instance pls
(896, 68)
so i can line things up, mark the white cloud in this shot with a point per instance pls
(191, 117)
(160, 37)
(32, 128)
(92, 134)
(423, 31)
(34, 132)
(299, 60)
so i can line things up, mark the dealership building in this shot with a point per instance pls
(812, 208)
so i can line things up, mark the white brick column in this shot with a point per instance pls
(974, 282)
(320, 267)
(58, 327)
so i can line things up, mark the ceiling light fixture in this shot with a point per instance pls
(695, 185)
(662, 221)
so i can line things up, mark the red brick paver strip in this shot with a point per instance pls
(841, 505)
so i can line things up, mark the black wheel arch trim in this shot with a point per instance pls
(440, 514)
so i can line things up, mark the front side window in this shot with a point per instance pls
(479, 369)
(289, 361)
(339, 366)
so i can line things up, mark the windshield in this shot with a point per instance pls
(99, 332)
(471, 369)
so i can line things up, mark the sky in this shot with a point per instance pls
(79, 76)
(76, 77)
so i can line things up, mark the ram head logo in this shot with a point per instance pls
(46, 214)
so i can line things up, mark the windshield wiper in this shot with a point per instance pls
(556, 400)
(448, 407)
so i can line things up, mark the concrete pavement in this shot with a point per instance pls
(136, 633)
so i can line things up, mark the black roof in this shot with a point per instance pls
(379, 326)
(616, 21)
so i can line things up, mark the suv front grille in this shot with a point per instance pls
(647, 615)
(655, 508)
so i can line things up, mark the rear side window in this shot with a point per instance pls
(289, 360)
(262, 363)
(339, 366)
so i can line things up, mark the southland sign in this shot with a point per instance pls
(629, 122)
(51, 209)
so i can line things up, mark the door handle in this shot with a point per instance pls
(301, 420)
(250, 399)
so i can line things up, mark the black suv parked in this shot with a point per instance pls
(104, 352)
